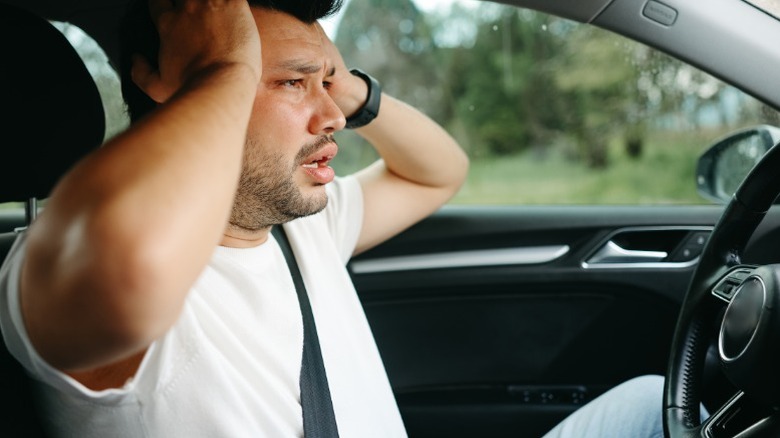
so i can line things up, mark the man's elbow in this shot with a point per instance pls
(459, 169)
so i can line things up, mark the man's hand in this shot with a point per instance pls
(348, 91)
(197, 36)
(421, 165)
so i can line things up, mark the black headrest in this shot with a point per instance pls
(52, 113)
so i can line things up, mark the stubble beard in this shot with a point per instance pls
(267, 194)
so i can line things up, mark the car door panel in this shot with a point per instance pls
(510, 348)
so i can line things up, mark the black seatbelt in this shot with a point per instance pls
(319, 421)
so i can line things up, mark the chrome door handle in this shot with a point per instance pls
(611, 252)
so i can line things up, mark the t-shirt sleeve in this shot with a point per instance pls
(344, 214)
(11, 321)
(15, 334)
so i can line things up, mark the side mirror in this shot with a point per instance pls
(721, 169)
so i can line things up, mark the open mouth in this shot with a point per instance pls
(321, 157)
(316, 165)
(318, 162)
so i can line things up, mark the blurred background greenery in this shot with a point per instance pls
(549, 110)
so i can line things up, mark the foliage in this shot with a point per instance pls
(522, 76)
(541, 98)
(529, 96)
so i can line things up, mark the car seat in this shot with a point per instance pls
(53, 117)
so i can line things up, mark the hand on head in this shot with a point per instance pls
(197, 36)
(348, 91)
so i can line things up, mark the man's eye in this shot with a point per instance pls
(327, 85)
(292, 82)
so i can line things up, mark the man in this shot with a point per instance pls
(154, 299)
(151, 298)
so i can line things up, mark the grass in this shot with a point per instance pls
(664, 174)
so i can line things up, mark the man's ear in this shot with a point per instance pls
(147, 79)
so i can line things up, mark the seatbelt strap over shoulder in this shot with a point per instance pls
(319, 421)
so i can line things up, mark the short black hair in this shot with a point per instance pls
(138, 35)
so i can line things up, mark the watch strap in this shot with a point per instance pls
(370, 109)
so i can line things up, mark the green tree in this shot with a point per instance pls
(506, 100)
(599, 81)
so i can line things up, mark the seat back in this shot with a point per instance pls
(53, 116)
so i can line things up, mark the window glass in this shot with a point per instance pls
(549, 110)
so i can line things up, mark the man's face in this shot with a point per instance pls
(289, 140)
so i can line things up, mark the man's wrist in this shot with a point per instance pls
(370, 109)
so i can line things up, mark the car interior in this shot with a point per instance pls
(33, 94)
(492, 321)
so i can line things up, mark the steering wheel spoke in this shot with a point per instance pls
(742, 417)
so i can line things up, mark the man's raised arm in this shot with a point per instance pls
(421, 165)
(126, 232)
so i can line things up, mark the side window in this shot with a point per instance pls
(549, 110)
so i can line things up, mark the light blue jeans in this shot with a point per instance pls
(629, 410)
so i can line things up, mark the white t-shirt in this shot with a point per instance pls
(230, 366)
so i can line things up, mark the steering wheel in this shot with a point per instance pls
(749, 335)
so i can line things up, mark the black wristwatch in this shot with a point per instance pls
(370, 109)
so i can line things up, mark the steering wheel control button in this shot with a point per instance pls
(742, 318)
(728, 285)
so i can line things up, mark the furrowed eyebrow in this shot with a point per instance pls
(302, 67)
(331, 72)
